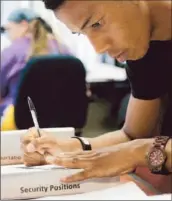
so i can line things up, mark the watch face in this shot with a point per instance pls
(156, 157)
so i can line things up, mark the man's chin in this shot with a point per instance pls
(139, 55)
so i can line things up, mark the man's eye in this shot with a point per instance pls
(96, 25)
(76, 33)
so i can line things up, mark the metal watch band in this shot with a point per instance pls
(86, 146)
(160, 143)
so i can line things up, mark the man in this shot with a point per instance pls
(138, 32)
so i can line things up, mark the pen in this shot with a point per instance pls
(33, 114)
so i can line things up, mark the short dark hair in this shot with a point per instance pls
(53, 4)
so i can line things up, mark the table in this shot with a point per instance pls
(143, 185)
(163, 183)
(150, 183)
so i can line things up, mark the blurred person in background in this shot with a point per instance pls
(30, 36)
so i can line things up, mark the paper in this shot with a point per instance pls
(161, 197)
(10, 143)
(21, 169)
(126, 191)
(20, 182)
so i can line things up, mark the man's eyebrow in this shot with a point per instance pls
(86, 22)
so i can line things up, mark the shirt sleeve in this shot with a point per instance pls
(149, 77)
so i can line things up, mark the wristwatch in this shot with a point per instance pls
(157, 156)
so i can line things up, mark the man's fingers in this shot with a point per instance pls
(81, 154)
(28, 136)
(41, 144)
(73, 162)
(31, 134)
(32, 159)
(86, 174)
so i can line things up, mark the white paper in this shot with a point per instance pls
(10, 143)
(126, 191)
(161, 197)
(20, 182)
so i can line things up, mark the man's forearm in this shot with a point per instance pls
(106, 140)
(109, 139)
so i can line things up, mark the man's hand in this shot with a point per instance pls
(109, 162)
(35, 147)
(33, 159)
(31, 142)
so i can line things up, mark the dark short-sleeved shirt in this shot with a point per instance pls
(151, 78)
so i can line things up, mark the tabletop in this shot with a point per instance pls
(146, 187)
(150, 183)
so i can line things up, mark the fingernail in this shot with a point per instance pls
(50, 159)
(30, 148)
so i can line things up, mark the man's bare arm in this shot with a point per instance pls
(141, 120)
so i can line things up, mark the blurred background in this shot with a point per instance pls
(106, 86)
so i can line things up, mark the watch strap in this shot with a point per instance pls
(160, 143)
(163, 170)
(86, 146)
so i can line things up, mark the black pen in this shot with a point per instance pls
(33, 114)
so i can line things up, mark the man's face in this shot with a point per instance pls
(120, 28)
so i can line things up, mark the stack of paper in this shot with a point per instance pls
(20, 182)
(10, 143)
(161, 197)
(127, 191)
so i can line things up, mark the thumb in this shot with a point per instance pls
(80, 176)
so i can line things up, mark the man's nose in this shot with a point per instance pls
(102, 49)
(100, 46)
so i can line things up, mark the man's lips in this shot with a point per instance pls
(121, 57)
